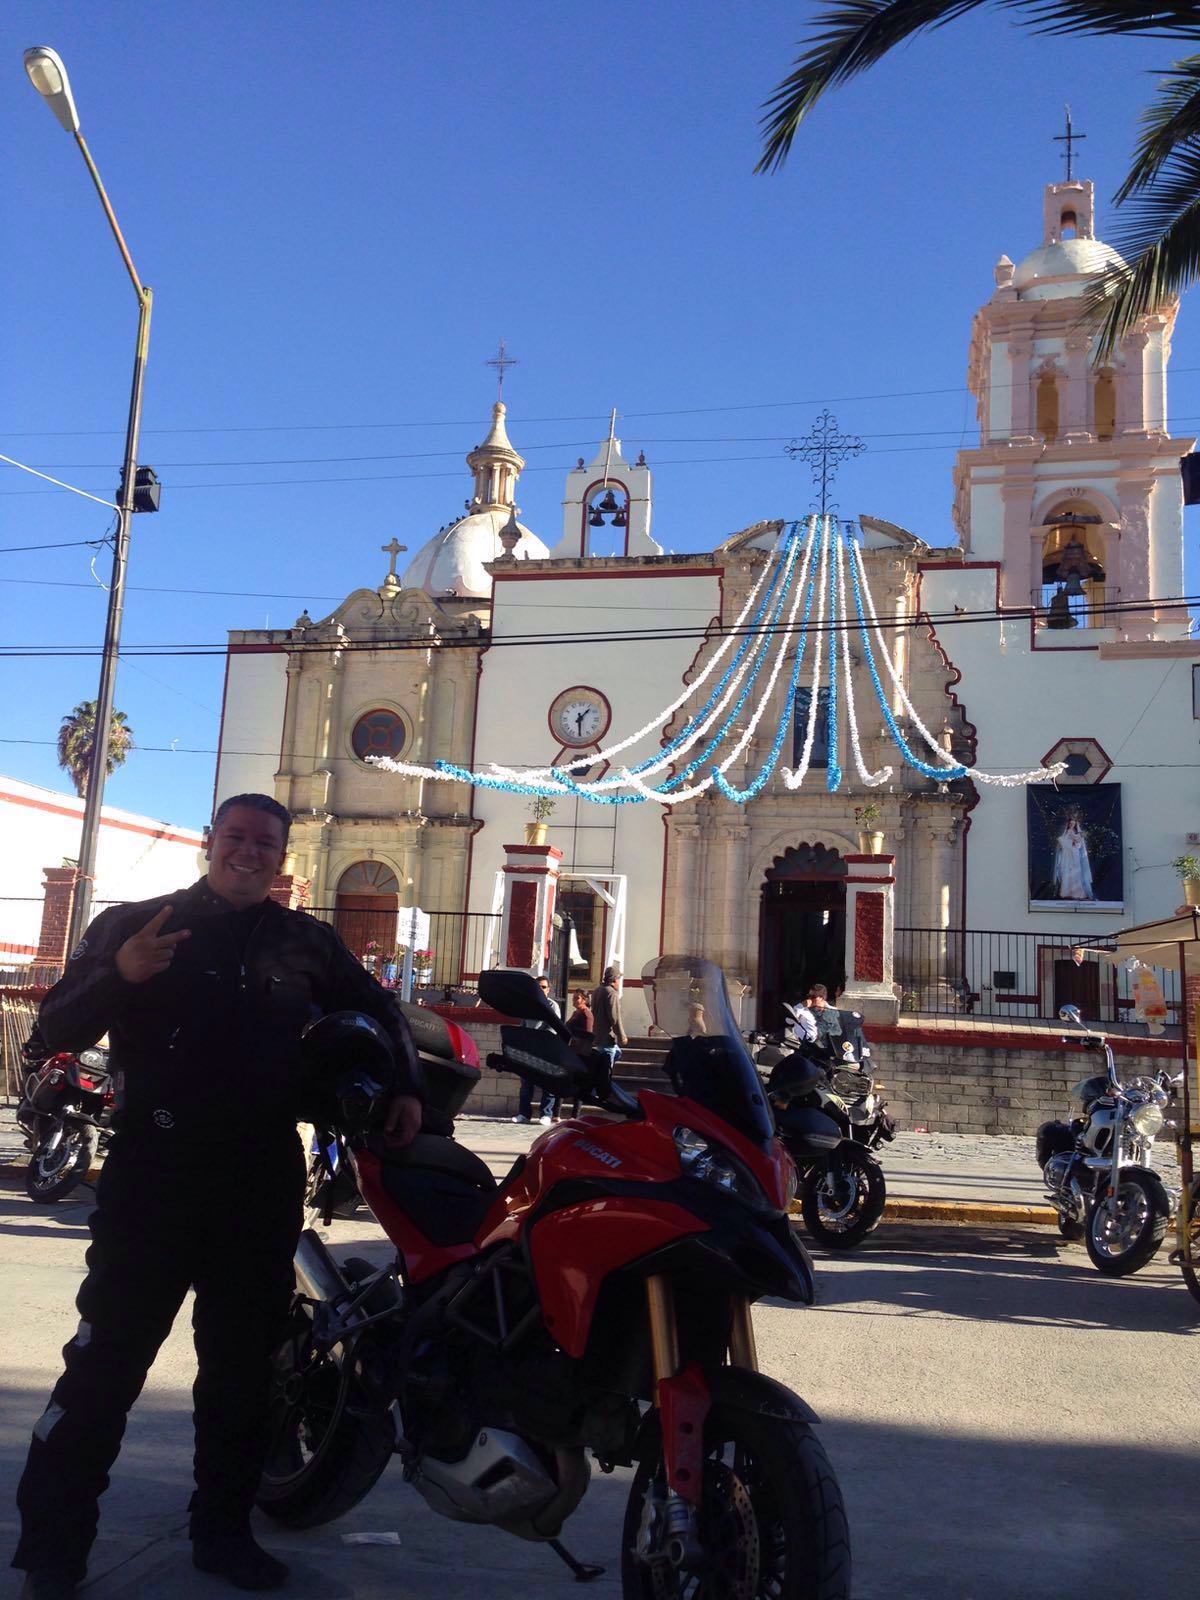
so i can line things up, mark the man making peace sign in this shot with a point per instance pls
(203, 995)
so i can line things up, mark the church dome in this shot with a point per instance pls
(1052, 271)
(451, 563)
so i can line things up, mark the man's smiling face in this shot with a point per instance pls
(245, 851)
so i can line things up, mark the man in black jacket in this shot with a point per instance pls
(203, 995)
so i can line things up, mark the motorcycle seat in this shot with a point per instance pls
(433, 1152)
(445, 1189)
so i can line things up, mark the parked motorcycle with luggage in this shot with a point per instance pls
(1096, 1167)
(594, 1304)
(66, 1111)
(831, 1117)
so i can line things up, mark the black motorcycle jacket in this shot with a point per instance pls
(206, 1050)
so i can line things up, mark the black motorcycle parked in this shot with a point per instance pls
(66, 1112)
(830, 1118)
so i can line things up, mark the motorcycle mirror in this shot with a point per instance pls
(1070, 1014)
(516, 994)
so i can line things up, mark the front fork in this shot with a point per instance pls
(682, 1397)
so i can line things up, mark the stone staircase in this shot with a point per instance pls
(641, 1065)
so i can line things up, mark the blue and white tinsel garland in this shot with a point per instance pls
(821, 549)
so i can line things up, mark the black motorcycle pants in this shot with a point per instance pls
(222, 1223)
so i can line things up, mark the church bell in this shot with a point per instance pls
(609, 504)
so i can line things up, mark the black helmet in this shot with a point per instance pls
(346, 1071)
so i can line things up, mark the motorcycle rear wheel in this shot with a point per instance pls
(52, 1174)
(329, 1445)
(1121, 1245)
(842, 1203)
(771, 1520)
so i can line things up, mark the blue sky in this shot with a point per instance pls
(341, 208)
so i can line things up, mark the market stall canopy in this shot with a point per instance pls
(1158, 943)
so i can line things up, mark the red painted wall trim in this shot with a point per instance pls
(105, 822)
(636, 572)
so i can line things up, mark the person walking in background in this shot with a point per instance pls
(549, 1101)
(608, 1030)
(580, 1024)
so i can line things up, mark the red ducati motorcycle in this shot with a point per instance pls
(65, 1113)
(596, 1304)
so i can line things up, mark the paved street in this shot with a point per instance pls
(970, 1382)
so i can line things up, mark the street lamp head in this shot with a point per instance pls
(49, 77)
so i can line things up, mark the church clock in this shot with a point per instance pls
(579, 717)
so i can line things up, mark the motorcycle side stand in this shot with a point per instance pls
(583, 1571)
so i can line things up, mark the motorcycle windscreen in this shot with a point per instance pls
(708, 1060)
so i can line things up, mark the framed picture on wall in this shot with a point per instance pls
(1076, 847)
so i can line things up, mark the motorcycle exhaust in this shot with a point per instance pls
(316, 1271)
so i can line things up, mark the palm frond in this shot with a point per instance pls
(847, 39)
(1112, 17)
(1168, 122)
(1162, 249)
(853, 35)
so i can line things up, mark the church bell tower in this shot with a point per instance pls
(1074, 487)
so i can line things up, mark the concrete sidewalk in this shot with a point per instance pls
(947, 1177)
(962, 1178)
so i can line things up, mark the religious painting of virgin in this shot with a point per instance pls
(1075, 847)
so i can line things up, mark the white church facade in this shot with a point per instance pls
(1043, 637)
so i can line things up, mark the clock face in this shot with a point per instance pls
(579, 717)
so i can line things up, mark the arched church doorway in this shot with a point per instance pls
(368, 898)
(802, 931)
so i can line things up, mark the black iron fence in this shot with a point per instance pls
(446, 962)
(1022, 976)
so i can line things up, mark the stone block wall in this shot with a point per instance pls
(949, 1089)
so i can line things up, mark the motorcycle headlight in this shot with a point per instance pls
(701, 1158)
(1147, 1119)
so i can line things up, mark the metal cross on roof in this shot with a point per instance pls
(500, 361)
(825, 449)
(1069, 138)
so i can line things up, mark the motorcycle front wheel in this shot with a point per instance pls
(842, 1202)
(1122, 1243)
(771, 1523)
(329, 1445)
(53, 1173)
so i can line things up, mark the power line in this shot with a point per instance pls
(482, 641)
(307, 755)
(557, 444)
(589, 416)
(67, 544)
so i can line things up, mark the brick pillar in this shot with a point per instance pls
(530, 887)
(870, 936)
(58, 890)
(290, 891)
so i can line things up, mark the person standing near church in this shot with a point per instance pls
(607, 1028)
(549, 1101)
(204, 995)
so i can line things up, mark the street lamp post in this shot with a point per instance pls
(49, 77)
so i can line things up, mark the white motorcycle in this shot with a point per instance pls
(1097, 1166)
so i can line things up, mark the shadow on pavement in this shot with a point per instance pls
(934, 1516)
(1000, 1276)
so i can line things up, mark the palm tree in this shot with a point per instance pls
(1159, 232)
(76, 737)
